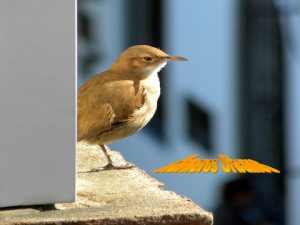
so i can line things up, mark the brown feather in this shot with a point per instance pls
(102, 103)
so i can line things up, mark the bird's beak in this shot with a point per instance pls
(176, 58)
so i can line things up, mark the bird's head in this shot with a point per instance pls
(144, 60)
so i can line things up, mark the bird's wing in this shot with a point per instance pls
(104, 102)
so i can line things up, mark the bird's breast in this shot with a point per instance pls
(144, 114)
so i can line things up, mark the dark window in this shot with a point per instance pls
(199, 125)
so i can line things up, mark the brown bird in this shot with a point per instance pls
(120, 101)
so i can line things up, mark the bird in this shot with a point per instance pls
(121, 100)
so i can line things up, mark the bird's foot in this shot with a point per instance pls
(110, 166)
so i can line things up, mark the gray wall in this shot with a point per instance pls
(37, 101)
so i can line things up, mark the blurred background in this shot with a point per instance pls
(237, 95)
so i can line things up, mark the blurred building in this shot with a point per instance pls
(237, 94)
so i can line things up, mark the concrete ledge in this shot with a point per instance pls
(111, 197)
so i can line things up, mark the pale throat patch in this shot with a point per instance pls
(158, 68)
(151, 80)
(154, 69)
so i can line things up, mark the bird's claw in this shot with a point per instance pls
(110, 166)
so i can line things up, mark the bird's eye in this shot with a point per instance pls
(148, 58)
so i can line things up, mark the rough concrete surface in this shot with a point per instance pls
(124, 196)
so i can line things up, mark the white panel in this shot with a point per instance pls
(37, 99)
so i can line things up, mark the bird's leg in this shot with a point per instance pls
(109, 164)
